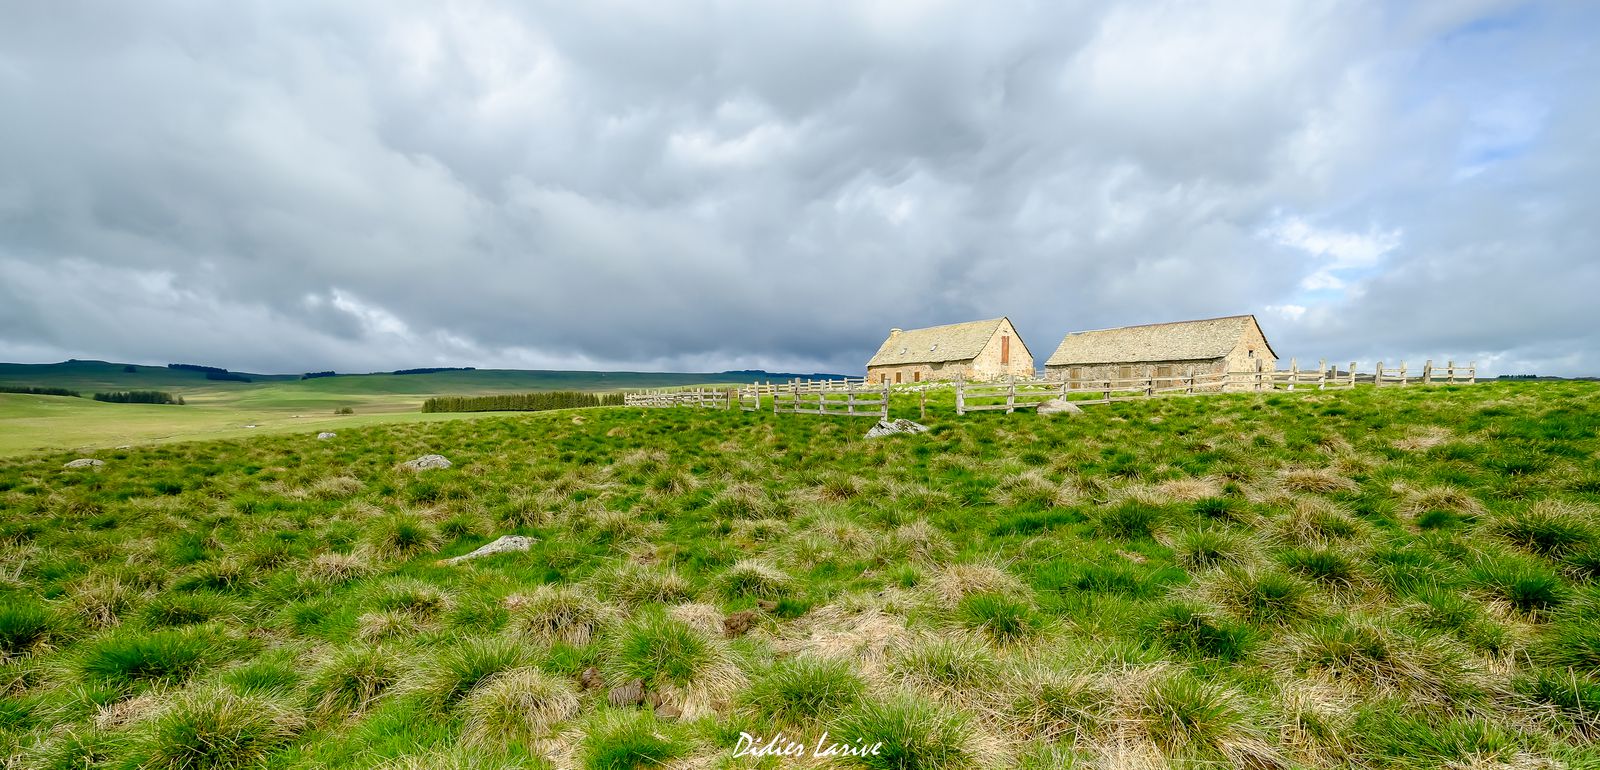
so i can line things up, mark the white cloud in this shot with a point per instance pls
(737, 185)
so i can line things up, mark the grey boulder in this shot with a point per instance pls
(1058, 406)
(504, 544)
(895, 427)
(85, 462)
(425, 462)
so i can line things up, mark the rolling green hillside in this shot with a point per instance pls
(218, 409)
(1370, 579)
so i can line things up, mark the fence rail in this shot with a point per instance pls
(856, 397)
(858, 400)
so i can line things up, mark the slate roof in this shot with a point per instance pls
(936, 344)
(1178, 341)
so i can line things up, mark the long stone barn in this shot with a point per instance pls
(1210, 346)
(976, 350)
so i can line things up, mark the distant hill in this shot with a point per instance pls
(90, 376)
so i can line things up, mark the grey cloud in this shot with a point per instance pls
(284, 186)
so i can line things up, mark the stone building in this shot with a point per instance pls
(976, 350)
(1210, 346)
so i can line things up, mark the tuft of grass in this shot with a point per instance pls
(1208, 548)
(755, 580)
(401, 535)
(1366, 655)
(1326, 566)
(447, 675)
(187, 609)
(1195, 631)
(944, 664)
(213, 729)
(126, 659)
(557, 614)
(522, 705)
(24, 625)
(1264, 596)
(348, 681)
(1195, 720)
(907, 734)
(410, 597)
(663, 651)
(634, 585)
(1128, 520)
(1003, 619)
(630, 740)
(1053, 705)
(1527, 585)
(801, 691)
(1547, 528)
(1320, 481)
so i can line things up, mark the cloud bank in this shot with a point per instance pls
(282, 186)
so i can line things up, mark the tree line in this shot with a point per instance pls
(139, 397)
(36, 391)
(521, 402)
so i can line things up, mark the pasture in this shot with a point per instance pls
(272, 403)
(1370, 578)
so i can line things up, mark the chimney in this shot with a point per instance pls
(894, 333)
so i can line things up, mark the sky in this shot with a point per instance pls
(281, 186)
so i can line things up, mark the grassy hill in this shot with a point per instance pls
(271, 403)
(1399, 578)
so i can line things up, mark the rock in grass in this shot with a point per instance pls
(628, 694)
(325, 435)
(895, 427)
(425, 462)
(1058, 406)
(85, 462)
(504, 544)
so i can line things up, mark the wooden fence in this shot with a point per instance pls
(858, 400)
(854, 397)
(1013, 394)
(703, 398)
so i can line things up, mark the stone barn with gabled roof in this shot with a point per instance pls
(976, 350)
(1211, 346)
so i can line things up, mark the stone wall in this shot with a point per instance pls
(1139, 369)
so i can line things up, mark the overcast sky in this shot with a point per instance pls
(286, 186)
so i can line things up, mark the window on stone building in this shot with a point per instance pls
(916, 376)
(897, 378)
(1005, 349)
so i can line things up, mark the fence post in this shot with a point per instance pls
(1149, 382)
(1294, 373)
(1472, 372)
(1427, 372)
(961, 394)
(1108, 390)
(883, 413)
(1011, 393)
(1188, 389)
(1377, 377)
(1404, 381)
(850, 402)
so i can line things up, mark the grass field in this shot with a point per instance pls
(272, 403)
(1399, 578)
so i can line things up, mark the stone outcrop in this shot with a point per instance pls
(425, 462)
(85, 462)
(895, 427)
(1057, 406)
(504, 544)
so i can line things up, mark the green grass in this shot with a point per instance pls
(271, 403)
(1255, 580)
